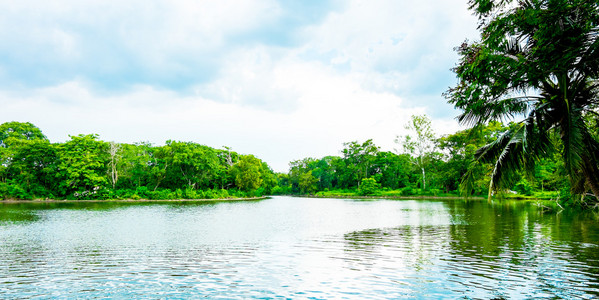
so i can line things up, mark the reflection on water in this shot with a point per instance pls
(298, 248)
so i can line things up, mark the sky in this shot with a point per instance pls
(282, 80)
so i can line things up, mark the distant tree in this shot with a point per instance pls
(196, 164)
(83, 165)
(269, 179)
(539, 60)
(113, 151)
(13, 132)
(420, 145)
(160, 163)
(307, 183)
(33, 168)
(392, 170)
(369, 186)
(297, 174)
(359, 158)
(462, 169)
(247, 173)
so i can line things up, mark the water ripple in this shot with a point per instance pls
(309, 249)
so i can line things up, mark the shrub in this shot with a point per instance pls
(368, 186)
(523, 187)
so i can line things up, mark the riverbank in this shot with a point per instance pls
(9, 201)
(386, 197)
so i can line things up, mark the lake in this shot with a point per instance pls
(285, 247)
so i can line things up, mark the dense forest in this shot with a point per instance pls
(85, 167)
(424, 164)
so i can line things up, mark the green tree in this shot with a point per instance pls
(392, 170)
(269, 179)
(539, 60)
(114, 150)
(359, 159)
(247, 173)
(323, 170)
(307, 183)
(159, 164)
(12, 132)
(297, 171)
(420, 145)
(33, 168)
(83, 165)
(368, 186)
(461, 165)
(196, 164)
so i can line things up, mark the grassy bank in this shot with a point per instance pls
(130, 200)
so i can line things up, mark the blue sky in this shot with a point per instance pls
(282, 80)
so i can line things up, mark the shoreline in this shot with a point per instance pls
(41, 201)
(392, 197)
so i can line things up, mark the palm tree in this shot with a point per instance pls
(538, 60)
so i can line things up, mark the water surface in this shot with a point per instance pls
(298, 248)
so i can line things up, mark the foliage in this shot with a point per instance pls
(420, 145)
(359, 159)
(247, 173)
(33, 167)
(14, 132)
(538, 60)
(369, 186)
(85, 167)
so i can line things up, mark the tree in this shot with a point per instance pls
(369, 186)
(33, 167)
(537, 60)
(83, 165)
(247, 173)
(360, 158)
(393, 170)
(307, 182)
(421, 145)
(115, 157)
(160, 162)
(297, 174)
(12, 132)
(269, 179)
(196, 163)
(460, 148)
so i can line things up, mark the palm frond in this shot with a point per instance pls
(506, 153)
(496, 110)
(518, 149)
(572, 132)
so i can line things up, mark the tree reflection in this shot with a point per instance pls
(503, 248)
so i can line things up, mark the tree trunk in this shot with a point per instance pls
(594, 185)
(423, 180)
(591, 174)
(113, 151)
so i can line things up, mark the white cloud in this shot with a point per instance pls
(222, 73)
(396, 46)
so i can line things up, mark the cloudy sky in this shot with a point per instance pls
(282, 80)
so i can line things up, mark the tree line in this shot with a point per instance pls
(423, 164)
(86, 167)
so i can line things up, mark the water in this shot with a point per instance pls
(298, 248)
